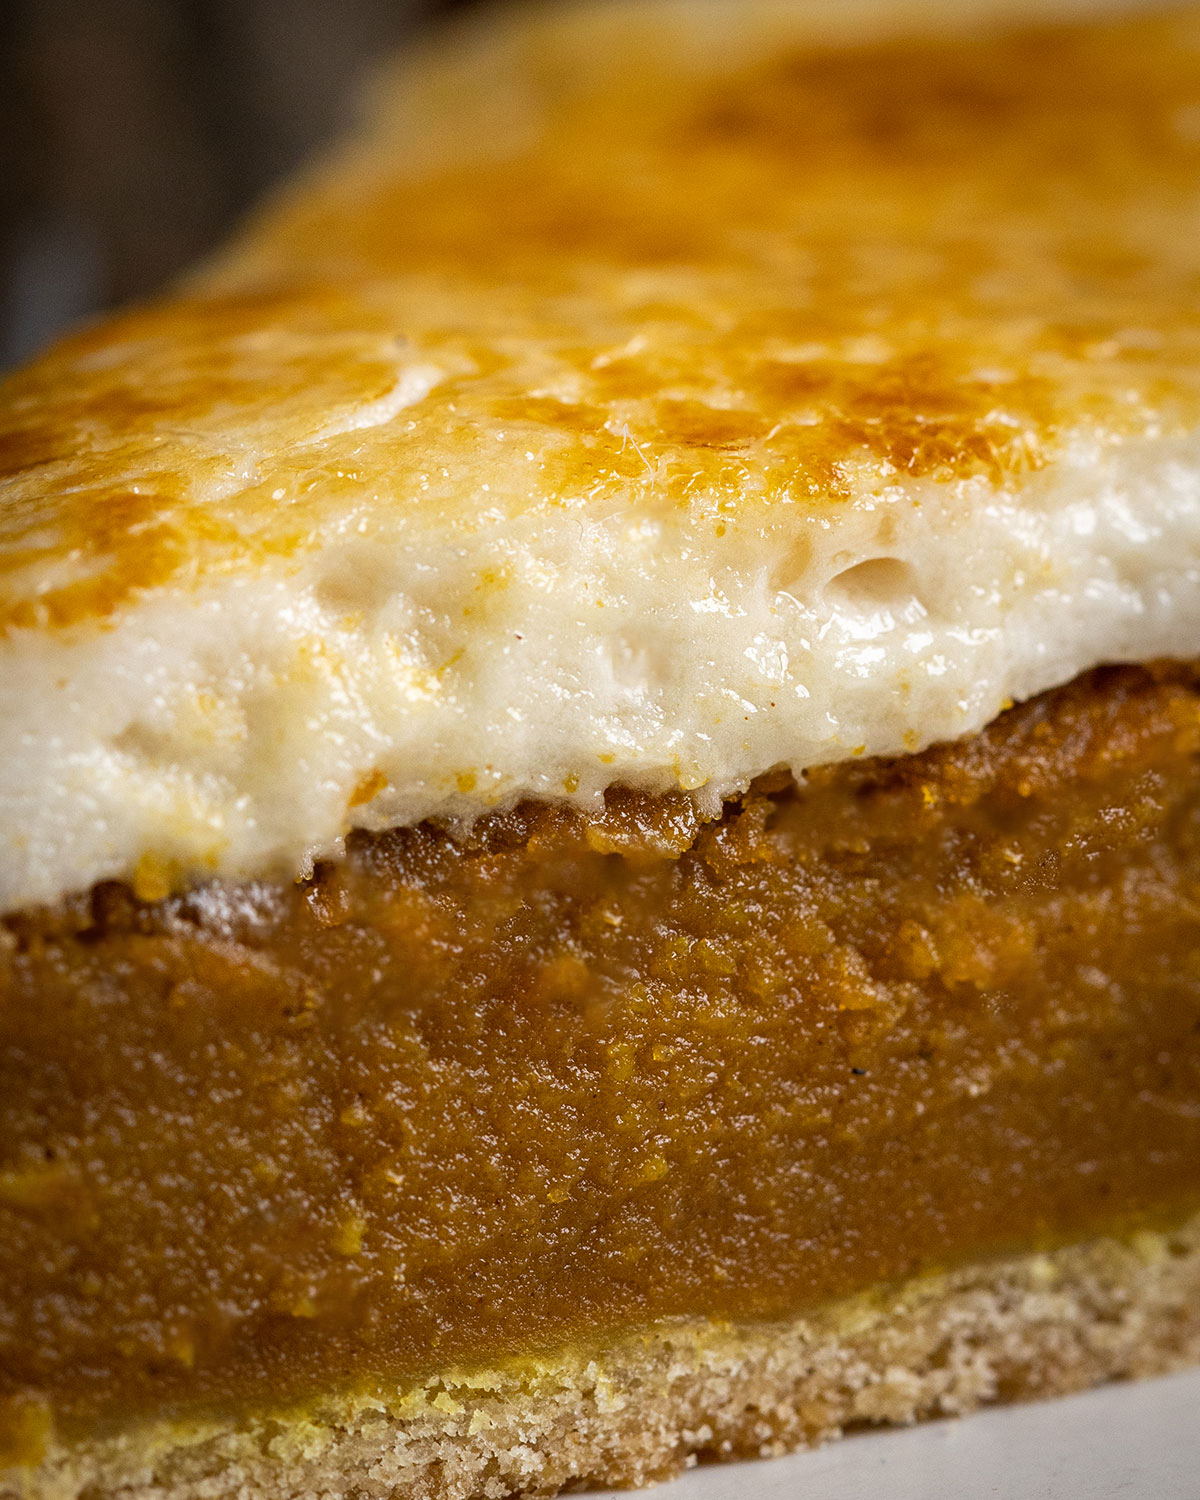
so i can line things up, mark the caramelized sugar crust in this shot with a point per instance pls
(459, 1097)
(822, 275)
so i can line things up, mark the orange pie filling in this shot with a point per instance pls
(458, 1097)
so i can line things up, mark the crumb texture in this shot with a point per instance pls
(648, 1406)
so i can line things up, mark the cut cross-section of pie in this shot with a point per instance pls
(600, 770)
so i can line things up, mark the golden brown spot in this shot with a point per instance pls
(369, 787)
(164, 398)
(692, 423)
(544, 412)
(919, 414)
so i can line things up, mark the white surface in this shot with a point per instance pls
(1124, 1442)
(224, 731)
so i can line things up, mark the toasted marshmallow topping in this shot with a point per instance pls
(715, 409)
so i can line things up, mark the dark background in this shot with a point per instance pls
(133, 132)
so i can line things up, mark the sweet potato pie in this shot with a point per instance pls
(600, 769)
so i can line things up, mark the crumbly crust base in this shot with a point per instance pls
(648, 1406)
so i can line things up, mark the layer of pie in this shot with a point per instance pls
(449, 1101)
(628, 1411)
(710, 399)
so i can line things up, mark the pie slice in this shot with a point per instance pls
(600, 770)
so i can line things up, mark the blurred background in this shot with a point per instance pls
(134, 132)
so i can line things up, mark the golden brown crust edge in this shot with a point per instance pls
(645, 1408)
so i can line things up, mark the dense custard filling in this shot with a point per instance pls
(462, 1097)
